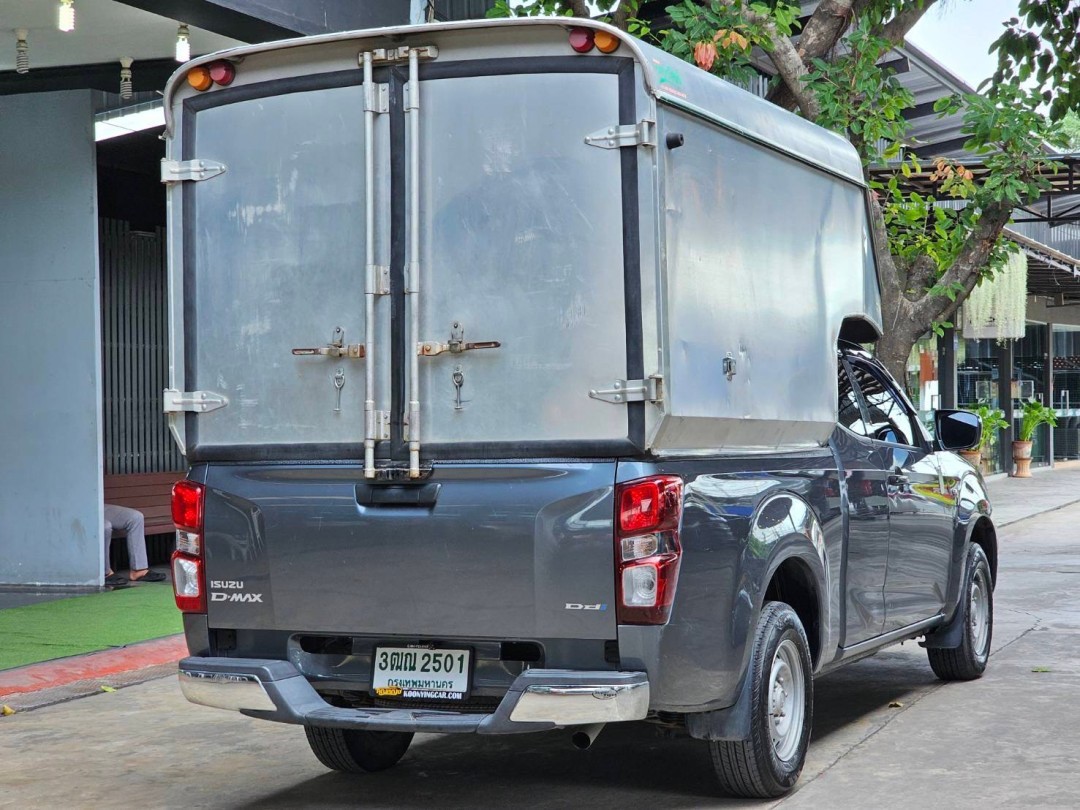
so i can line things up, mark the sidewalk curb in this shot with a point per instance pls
(91, 666)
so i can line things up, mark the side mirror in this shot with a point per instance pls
(957, 430)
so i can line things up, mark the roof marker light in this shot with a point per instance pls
(581, 39)
(222, 72)
(605, 41)
(199, 78)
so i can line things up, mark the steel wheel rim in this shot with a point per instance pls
(787, 700)
(979, 612)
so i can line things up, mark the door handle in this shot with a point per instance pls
(424, 496)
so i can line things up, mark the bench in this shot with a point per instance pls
(151, 494)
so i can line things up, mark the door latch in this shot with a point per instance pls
(335, 348)
(456, 344)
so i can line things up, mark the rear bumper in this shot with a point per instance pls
(538, 700)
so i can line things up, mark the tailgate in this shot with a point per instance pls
(497, 551)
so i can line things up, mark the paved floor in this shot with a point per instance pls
(886, 734)
(1018, 498)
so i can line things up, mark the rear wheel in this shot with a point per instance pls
(356, 751)
(768, 764)
(968, 661)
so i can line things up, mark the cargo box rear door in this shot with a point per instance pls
(274, 270)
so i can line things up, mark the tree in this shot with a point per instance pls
(829, 72)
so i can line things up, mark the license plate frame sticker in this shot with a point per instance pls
(421, 673)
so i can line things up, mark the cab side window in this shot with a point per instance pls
(848, 410)
(889, 420)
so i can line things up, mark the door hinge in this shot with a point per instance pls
(379, 100)
(177, 171)
(382, 426)
(194, 401)
(643, 133)
(381, 274)
(650, 389)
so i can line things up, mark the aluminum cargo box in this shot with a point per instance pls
(475, 242)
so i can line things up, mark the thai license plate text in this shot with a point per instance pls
(409, 672)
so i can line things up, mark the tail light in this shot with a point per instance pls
(647, 550)
(189, 581)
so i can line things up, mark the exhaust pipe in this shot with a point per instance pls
(583, 737)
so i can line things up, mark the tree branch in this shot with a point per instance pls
(789, 64)
(823, 30)
(825, 27)
(580, 8)
(965, 270)
(897, 28)
(920, 277)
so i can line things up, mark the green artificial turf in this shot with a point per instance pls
(82, 624)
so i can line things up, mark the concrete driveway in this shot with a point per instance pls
(886, 734)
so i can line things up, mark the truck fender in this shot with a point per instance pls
(784, 528)
(973, 515)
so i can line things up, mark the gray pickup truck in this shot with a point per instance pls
(656, 477)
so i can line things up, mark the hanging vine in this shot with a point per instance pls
(995, 309)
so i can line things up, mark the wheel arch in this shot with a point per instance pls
(798, 566)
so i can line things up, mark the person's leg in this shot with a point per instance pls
(131, 521)
(107, 534)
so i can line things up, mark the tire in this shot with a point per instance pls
(768, 764)
(968, 661)
(355, 751)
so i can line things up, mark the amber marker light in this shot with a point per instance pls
(199, 78)
(605, 41)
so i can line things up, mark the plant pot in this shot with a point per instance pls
(973, 457)
(1021, 453)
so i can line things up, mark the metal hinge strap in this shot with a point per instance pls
(647, 390)
(377, 99)
(177, 171)
(381, 274)
(643, 133)
(194, 401)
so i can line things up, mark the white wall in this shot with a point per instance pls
(50, 395)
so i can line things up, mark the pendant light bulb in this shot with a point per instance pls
(125, 78)
(66, 16)
(22, 52)
(183, 44)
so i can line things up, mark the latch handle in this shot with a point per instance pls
(355, 351)
(456, 344)
(335, 348)
(431, 348)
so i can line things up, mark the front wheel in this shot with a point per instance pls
(768, 764)
(355, 751)
(968, 661)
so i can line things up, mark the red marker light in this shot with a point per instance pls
(581, 39)
(222, 72)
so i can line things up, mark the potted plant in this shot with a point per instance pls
(993, 420)
(1033, 415)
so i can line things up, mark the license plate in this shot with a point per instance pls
(410, 672)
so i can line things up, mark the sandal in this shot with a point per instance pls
(150, 576)
(116, 579)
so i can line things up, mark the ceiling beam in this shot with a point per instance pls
(267, 20)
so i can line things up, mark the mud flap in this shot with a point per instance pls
(732, 723)
(949, 636)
